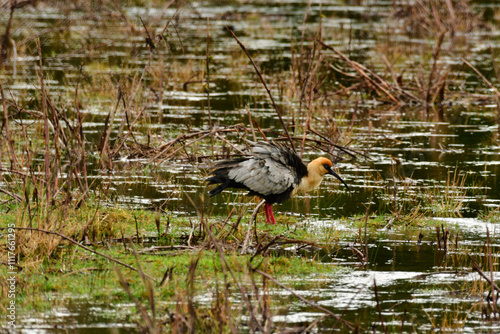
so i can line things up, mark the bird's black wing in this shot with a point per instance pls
(284, 155)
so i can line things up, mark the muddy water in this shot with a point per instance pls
(405, 146)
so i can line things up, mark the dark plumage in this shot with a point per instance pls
(272, 172)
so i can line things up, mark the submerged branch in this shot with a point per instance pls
(308, 302)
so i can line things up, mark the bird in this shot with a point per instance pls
(271, 171)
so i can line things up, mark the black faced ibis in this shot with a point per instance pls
(272, 172)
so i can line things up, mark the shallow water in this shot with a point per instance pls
(424, 151)
(417, 284)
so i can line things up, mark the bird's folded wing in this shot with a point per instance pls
(264, 176)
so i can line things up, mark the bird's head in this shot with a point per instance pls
(324, 166)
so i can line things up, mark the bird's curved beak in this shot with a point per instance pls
(331, 172)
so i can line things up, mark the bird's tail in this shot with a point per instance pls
(220, 176)
(216, 179)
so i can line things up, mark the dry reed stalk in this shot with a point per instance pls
(207, 85)
(5, 46)
(438, 237)
(14, 162)
(250, 122)
(391, 71)
(162, 11)
(357, 252)
(131, 100)
(433, 74)
(229, 143)
(129, 133)
(81, 140)
(190, 293)
(208, 77)
(328, 143)
(106, 132)
(265, 86)
(169, 20)
(489, 255)
(149, 40)
(181, 138)
(307, 125)
(402, 93)
(395, 190)
(446, 234)
(302, 37)
(261, 131)
(167, 277)
(366, 234)
(495, 64)
(150, 321)
(305, 82)
(453, 17)
(264, 305)
(279, 240)
(45, 126)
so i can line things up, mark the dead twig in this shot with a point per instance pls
(14, 196)
(80, 245)
(481, 76)
(477, 269)
(265, 86)
(378, 88)
(249, 231)
(179, 139)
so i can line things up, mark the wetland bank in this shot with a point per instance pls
(113, 111)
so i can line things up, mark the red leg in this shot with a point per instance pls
(272, 215)
(266, 209)
(269, 214)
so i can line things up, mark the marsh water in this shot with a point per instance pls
(402, 147)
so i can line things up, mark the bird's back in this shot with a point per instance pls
(271, 171)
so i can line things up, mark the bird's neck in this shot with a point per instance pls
(309, 182)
